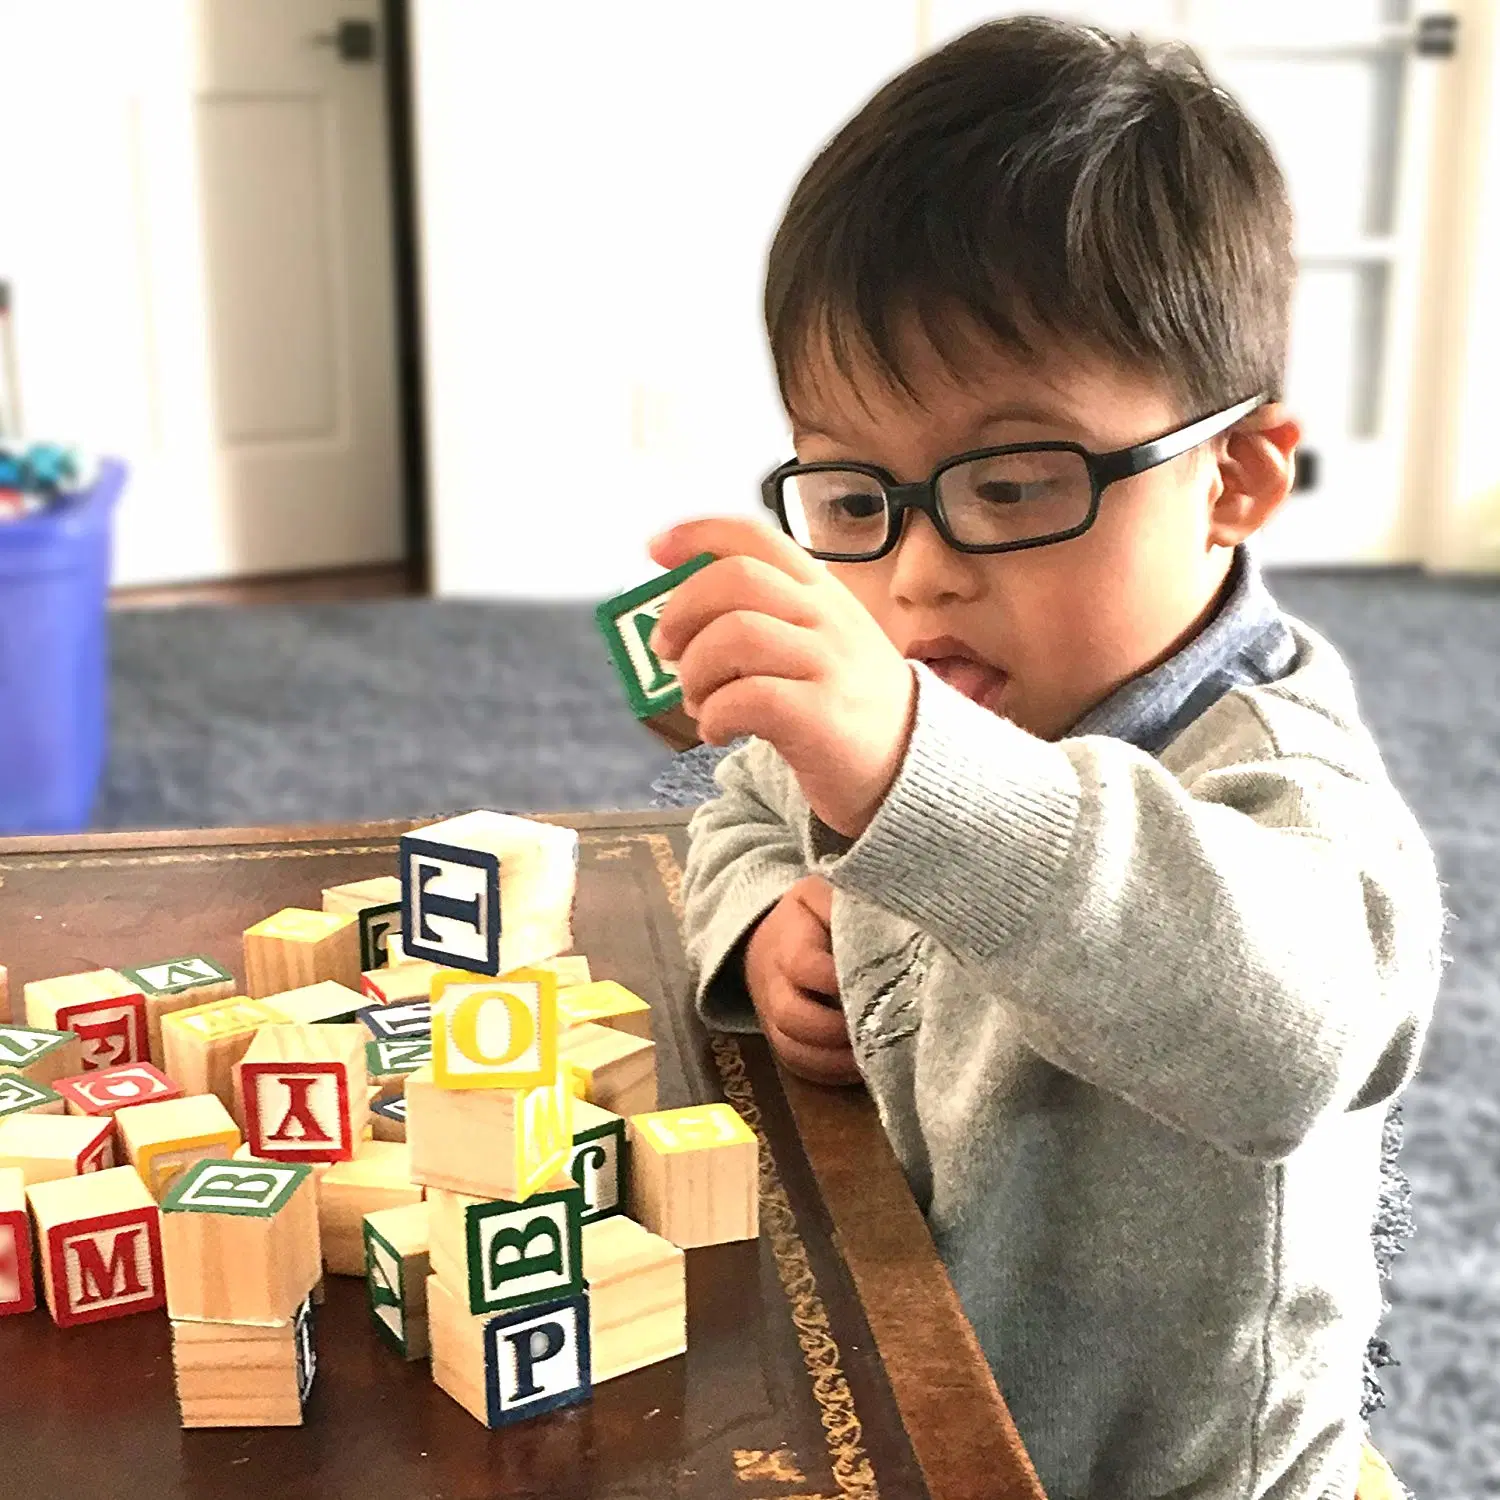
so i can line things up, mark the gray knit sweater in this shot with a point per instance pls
(1135, 1007)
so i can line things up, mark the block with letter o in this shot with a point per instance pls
(492, 1033)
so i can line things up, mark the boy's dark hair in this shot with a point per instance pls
(1044, 177)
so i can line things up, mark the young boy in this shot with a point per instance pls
(1050, 826)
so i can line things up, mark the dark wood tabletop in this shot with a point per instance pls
(829, 1360)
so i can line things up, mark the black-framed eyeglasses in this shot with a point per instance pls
(986, 500)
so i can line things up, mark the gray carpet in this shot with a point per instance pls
(411, 707)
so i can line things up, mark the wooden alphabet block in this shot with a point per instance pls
(501, 1254)
(605, 1003)
(42, 1055)
(396, 1277)
(376, 906)
(240, 1241)
(294, 948)
(494, 1033)
(109, 1089)
(391, 1061)
(378, 1177)
(507, 1367)
(100, 1243)
(20, 1096)
(47, 1147)
(177, 984)
(489, 1143)
(304, 1092)
(618, 1070)
(17, 1287)
(203, 1044)
(651, 687)
(598, 1160)
(395, 953)
(106, 1010)
(327, 1003)
(243, 1374)
(637, 1285)
(388, 1118)
(695, 1175)
(396, 1023)
(411, 980)
(570, 969)
(460, 875)
(164, 1139)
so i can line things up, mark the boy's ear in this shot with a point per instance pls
(1257, 466)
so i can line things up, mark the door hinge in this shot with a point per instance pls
(1437, 35)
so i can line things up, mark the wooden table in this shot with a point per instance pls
(827, 1359)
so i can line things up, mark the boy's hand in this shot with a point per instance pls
(788, 964)
(768, 642)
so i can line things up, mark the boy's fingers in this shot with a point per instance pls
(815, 893)
(812, 968)
(806, 1020)
(816, 1064)
(746, 585)
(726, 536)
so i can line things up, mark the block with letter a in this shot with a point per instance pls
(109, 1089)
(396, 1270)
(488, 892)
(305, 1093)
(175, 984)
(105, 1009)
(100, 1242)
(17, 1287)
(494, 1033)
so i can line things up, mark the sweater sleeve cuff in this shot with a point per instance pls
(717, 964)
(983, 810)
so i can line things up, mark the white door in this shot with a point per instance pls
(297, 235)
(1346, 101)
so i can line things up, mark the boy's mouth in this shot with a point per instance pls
(958, 666)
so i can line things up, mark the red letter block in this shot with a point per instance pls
(108, 1089)
(17, 1292)
(106, 1010)
(100, 1240)
(305, 1092)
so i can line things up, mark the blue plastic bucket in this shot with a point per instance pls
(54, 666)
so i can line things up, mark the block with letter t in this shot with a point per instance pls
(106, 1009)
(304, 1090)
(488, 892)
(17, 1285)
(100, 1242)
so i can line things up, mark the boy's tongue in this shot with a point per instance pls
(972, 678)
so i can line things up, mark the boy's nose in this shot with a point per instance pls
(925, 567)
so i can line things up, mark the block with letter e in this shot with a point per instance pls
(507, 1254)
(294, 948)
(412, 1018)
(488, 892)
(376, 906)
(695, 1175)
(489, 1143)
(45, 1147)
(177, 984)
(165, 1138)
(107, 1011)
(17, 1285)
(396, 1270)
(240, 1241)
(304, 1091)
(496, 1032)
(39, 1053)
(19, 1096)
(99, 1238)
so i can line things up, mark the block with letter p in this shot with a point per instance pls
(107, 1011)
(305, 1094)
(494, 1032)
(488, 892)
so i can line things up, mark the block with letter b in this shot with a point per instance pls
(304, 1090)
(17, 1285)
(494, 1032)
(294, 948)
(488, 892)
(177, 984)
(106, 1010)
(100, 1243)
(695, 1175)
(376, 906)
(19, 1096)
(396, 1270)
(163, 1139)
(240, 1241)
(39, 1053)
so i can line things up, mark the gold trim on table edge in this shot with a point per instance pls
(820, 1351)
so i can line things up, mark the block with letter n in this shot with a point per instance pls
(107, 1011)
(599, 1158)
(494, 1032)
(305, 1092)
(396, 1270)
(376, 906)
(508, 1254)
(488, 892)
(240, 1241)
(651, 687)
(40, 1053)
(378, 1177)
(100, 1243)
(19, 1096)
(176, 984)
(17, 1285)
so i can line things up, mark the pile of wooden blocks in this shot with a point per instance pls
(419, 1085)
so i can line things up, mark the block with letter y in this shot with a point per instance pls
(304, 1089)
(488, 892)
(100, 1243)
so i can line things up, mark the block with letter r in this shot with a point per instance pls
(520, 1253)
(536, 1359)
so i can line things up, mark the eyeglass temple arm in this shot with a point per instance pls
(1124, 462)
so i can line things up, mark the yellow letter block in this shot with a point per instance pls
(295, 948)
(165, 1138)
(607, 1002)
(494, 1033)
(202, 1045)
(694, 1175)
